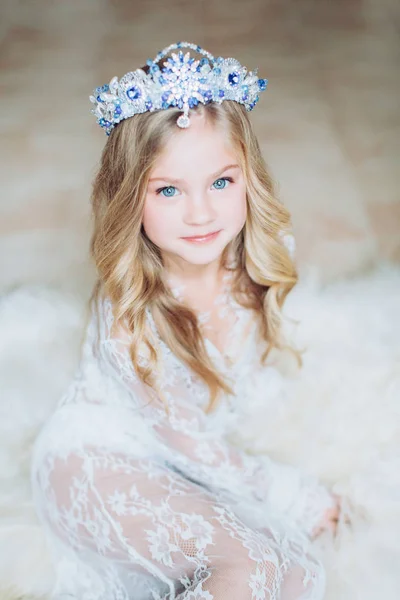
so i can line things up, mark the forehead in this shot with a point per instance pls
(199, 150)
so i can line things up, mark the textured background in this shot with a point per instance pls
(329, 123)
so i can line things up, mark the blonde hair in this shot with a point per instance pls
(130, 266)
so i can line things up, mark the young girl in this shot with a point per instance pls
(134, 478)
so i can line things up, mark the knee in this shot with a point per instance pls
(300, 583)
(243, 578)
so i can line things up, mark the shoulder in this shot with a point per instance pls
(103, 323)
(113, 341)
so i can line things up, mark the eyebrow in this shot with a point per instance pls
(213, 176)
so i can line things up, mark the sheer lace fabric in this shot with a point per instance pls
(142, 505)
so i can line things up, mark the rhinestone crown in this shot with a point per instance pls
(182, 82)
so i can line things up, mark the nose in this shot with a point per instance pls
(199, 210)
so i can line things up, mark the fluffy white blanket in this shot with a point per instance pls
(339, 418)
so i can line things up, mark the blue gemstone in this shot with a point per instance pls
(149, 104)
(262, 84)
(217, 70)
(105, 88)
(134, 93)
(101, 122)
(107, 123)
(179, 44)
(191, 102)
(99, 99)
(198, 48)
(161, 79)
(118, 110)
(233, 78)
(165, 96)
(244, 97)
(221, 93)
(203, 61)
(164, 105)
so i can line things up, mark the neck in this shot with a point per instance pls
(194, 276)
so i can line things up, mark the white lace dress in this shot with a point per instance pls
(139, 505)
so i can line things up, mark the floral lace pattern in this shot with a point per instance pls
(142, 505)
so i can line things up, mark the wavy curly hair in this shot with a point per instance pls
(130, 267)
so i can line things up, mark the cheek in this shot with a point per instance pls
(158, 221)
(235, 210)
(151, 222)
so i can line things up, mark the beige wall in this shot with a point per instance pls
(329, 123)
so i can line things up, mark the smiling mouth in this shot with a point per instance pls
(199, 238)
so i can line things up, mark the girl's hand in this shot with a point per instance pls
(330, 520)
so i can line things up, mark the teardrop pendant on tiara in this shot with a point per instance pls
(183, 121)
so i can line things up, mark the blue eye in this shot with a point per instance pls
(167, 192)
(170, 191)
(222, 183)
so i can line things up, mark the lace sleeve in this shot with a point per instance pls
(204, 455)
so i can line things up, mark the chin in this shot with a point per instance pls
(201, 258)
(201, 255)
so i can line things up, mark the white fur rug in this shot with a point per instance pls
(340, 419)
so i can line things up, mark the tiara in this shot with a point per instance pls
(181, 82)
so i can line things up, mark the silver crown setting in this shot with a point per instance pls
(182, 82)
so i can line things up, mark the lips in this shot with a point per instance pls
(206, 236)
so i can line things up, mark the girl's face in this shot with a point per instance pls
(196, 188)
